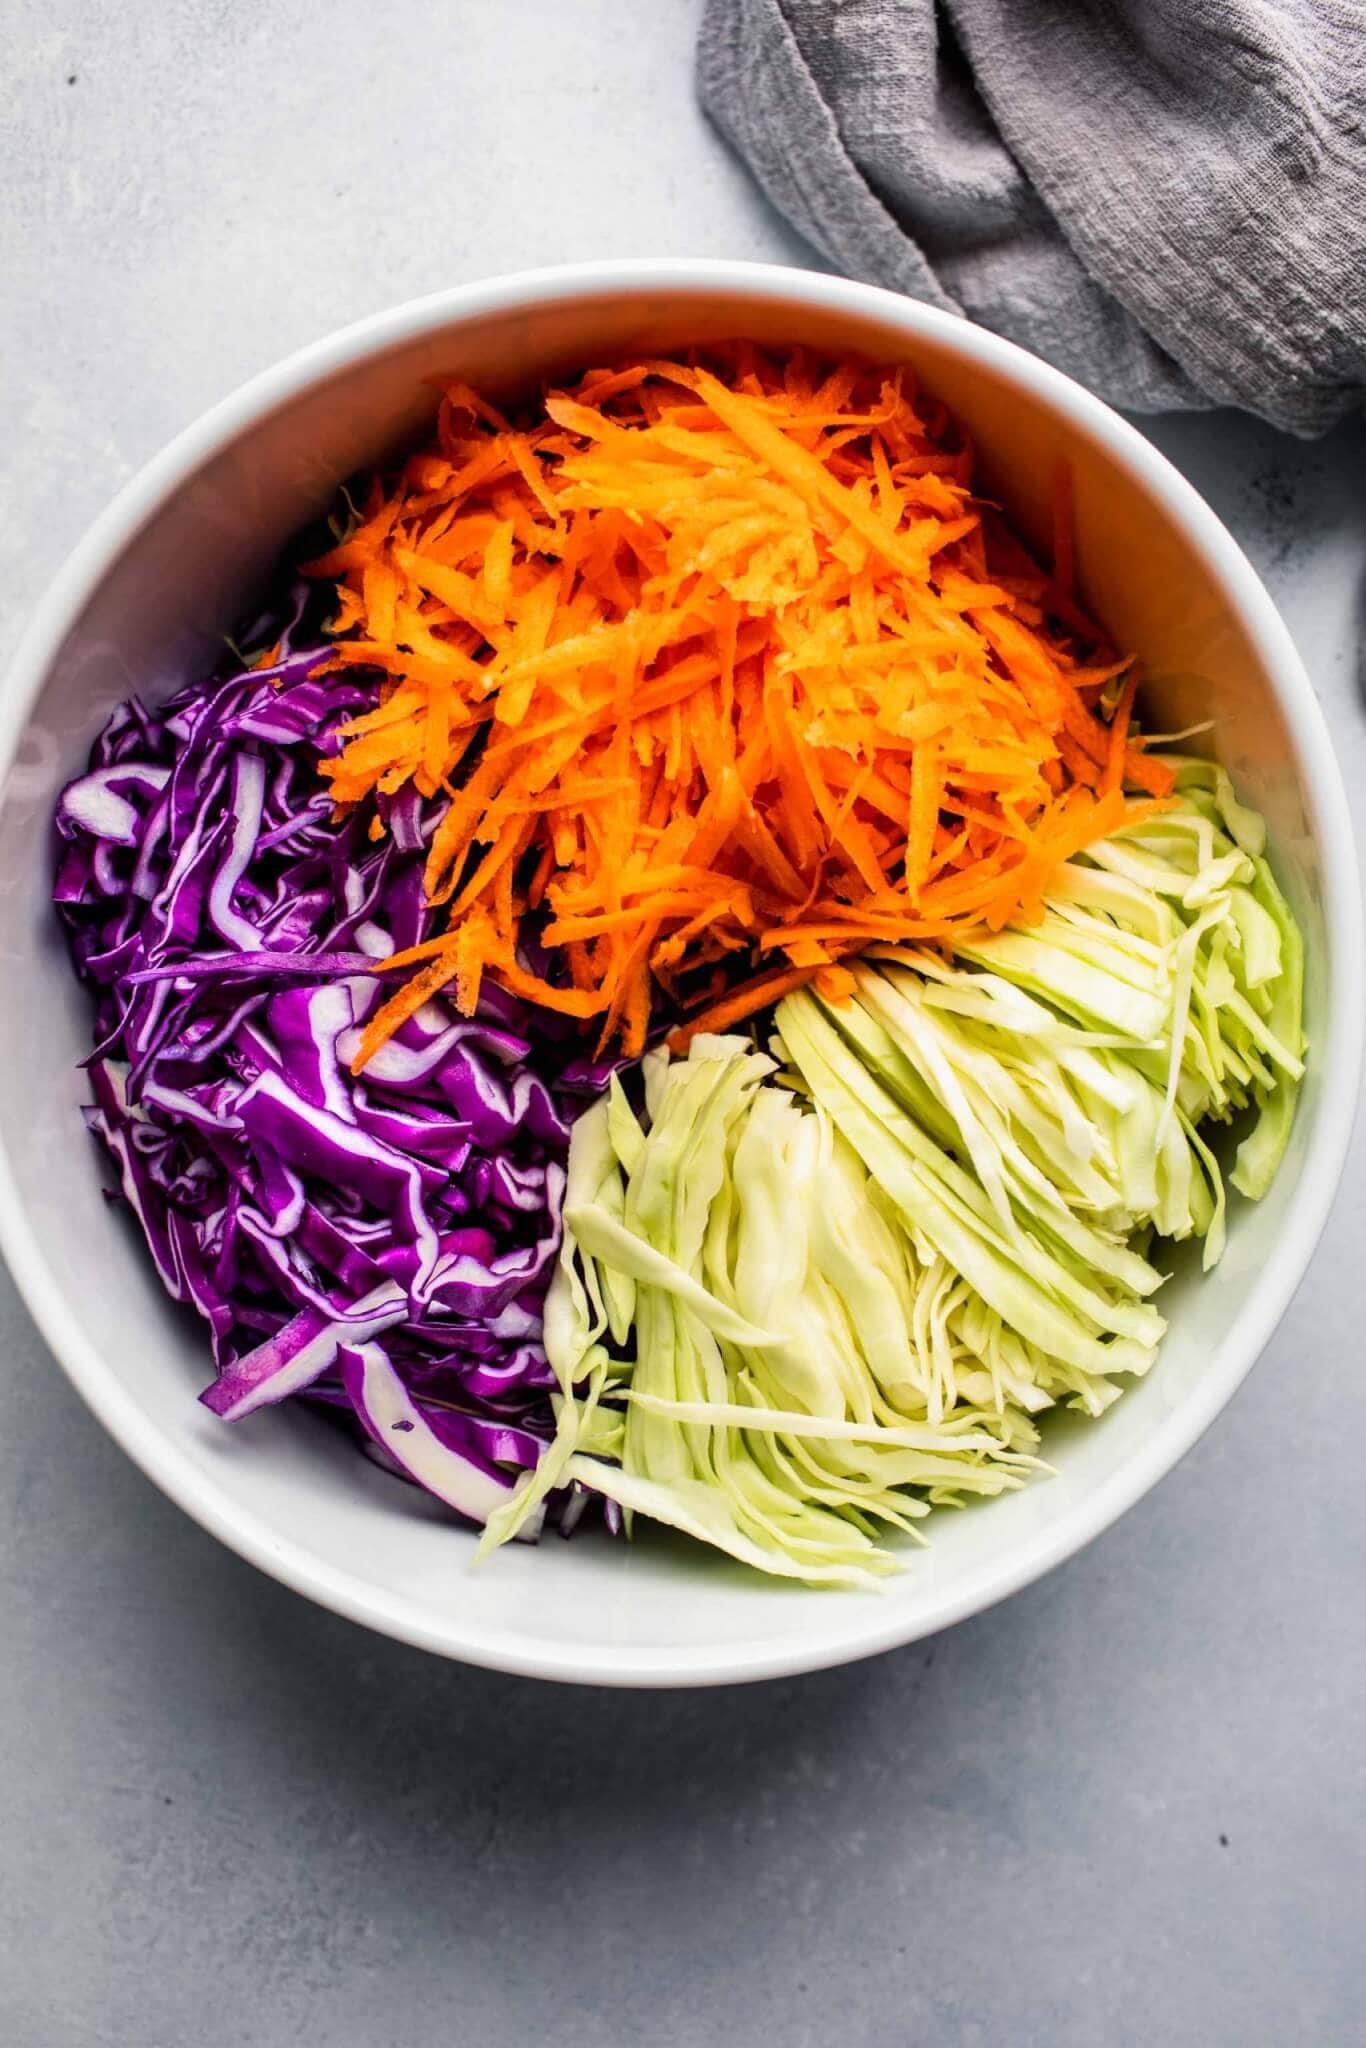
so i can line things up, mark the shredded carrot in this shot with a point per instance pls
(741, 1003)
(1112, 776)
(714, 661)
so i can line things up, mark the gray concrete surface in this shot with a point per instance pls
(1125, 1808)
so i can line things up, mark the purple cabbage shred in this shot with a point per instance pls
(225, 923)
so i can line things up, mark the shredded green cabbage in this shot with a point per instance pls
(802, 1299)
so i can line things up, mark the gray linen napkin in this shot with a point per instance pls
(1167, 198)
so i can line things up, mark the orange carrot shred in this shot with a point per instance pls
(715, 661)
(741, 1003)
(1113, 776)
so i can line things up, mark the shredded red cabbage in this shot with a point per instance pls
(382, 1244)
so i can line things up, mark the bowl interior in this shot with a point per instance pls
(285, 1489)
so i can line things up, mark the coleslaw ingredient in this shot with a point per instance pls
(723, 680)
(228, 928)
(813, 1294)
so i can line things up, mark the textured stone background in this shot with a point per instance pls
(1126, 1807)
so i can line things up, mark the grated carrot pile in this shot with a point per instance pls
(724, 678)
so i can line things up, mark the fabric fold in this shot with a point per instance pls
(1166, 198)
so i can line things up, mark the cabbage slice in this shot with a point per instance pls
(802, 1299)
(771, 1388)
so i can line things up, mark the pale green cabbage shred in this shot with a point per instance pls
(807, 1297)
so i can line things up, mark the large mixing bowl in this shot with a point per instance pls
(140, 605)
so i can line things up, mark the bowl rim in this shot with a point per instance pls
(871, 1627)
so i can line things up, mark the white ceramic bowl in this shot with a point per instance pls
(138, 607)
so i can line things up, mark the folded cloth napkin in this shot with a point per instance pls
(1167, 198)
